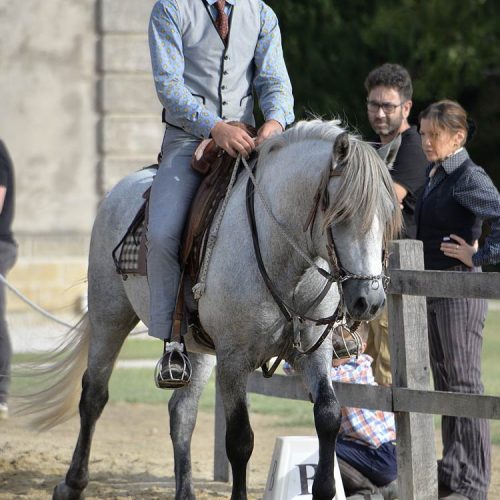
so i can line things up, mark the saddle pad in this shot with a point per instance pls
(128, 260)
(129, 255)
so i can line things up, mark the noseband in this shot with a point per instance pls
(338, 273)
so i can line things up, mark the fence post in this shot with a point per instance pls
(417, 469)
(221, 463)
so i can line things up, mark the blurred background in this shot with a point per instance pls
(78, 109)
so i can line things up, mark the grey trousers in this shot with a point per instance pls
(8, 256)
(173, 190)
(455, 343)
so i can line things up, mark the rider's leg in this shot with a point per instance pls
(172, 192)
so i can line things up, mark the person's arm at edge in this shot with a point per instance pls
(479, 195)
(5, 161)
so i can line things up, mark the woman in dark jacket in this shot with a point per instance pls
(456, 200)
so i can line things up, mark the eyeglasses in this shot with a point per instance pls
(387, 107)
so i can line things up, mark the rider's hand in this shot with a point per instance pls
(232, 139)
(269, 128)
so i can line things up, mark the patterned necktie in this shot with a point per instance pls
(222, 21)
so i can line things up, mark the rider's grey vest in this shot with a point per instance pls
(220, 77)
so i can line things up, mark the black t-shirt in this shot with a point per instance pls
(409, 170)
(7, 180)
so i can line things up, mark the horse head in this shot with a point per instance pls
(362, 215)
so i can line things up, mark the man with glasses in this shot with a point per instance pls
(390, 90)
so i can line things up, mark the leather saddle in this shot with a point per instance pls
(217, 166)
(130, 254)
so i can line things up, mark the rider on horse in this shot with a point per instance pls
(208, 59)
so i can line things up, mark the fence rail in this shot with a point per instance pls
(410, 396)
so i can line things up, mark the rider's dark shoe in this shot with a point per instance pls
(173, 370)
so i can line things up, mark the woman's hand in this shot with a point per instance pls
(459, 249)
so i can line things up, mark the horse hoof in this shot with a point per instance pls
(63, 492)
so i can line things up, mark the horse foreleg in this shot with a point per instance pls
(239, 434)
(183, 409)
(327, 418)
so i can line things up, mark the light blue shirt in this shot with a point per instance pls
(271, 81)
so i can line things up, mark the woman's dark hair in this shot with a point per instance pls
(448, 115)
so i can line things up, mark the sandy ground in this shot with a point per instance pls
(132, 457)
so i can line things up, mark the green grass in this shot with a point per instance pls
(141, 349)
(491, 365)
(491, 354)
(137, 385)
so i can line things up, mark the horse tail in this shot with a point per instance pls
(57, 379)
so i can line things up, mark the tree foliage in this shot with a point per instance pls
(450, 47)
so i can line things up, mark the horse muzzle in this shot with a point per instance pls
(363, 299)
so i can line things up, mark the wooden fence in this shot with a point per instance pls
(410, 396)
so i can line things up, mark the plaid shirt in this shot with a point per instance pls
(476, 192)
(368, 427)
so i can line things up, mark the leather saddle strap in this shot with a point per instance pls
(250, 203)
(288, 312)
(176, 335)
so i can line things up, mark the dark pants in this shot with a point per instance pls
(455, 344)
(379, 465)
(8, 256)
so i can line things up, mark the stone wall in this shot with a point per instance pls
(79, 111)
(130, 130)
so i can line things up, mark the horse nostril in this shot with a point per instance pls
(361, 305)
(374, 310)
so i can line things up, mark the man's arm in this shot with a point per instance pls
(401, 191)
(409, 169)
(5, 165)
(271, 81)
(3, 192)
(167, 59)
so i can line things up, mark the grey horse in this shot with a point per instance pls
(313, 158)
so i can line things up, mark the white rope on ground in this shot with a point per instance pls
(34, 306)
(43, 311)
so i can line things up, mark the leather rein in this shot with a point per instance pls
(338, 273)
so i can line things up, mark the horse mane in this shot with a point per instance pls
(366, 189)
(302, 131)
(366, 186)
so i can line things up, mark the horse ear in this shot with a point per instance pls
(341, 147)
(389, 151)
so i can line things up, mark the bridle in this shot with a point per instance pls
(338, 274)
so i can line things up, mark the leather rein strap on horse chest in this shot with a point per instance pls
(292, 317)
(338, 275)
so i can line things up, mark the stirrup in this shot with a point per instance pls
(346, 346)
(173, 370)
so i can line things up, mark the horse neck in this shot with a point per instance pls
(288, 184)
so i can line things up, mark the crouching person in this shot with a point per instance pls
(366, 444)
